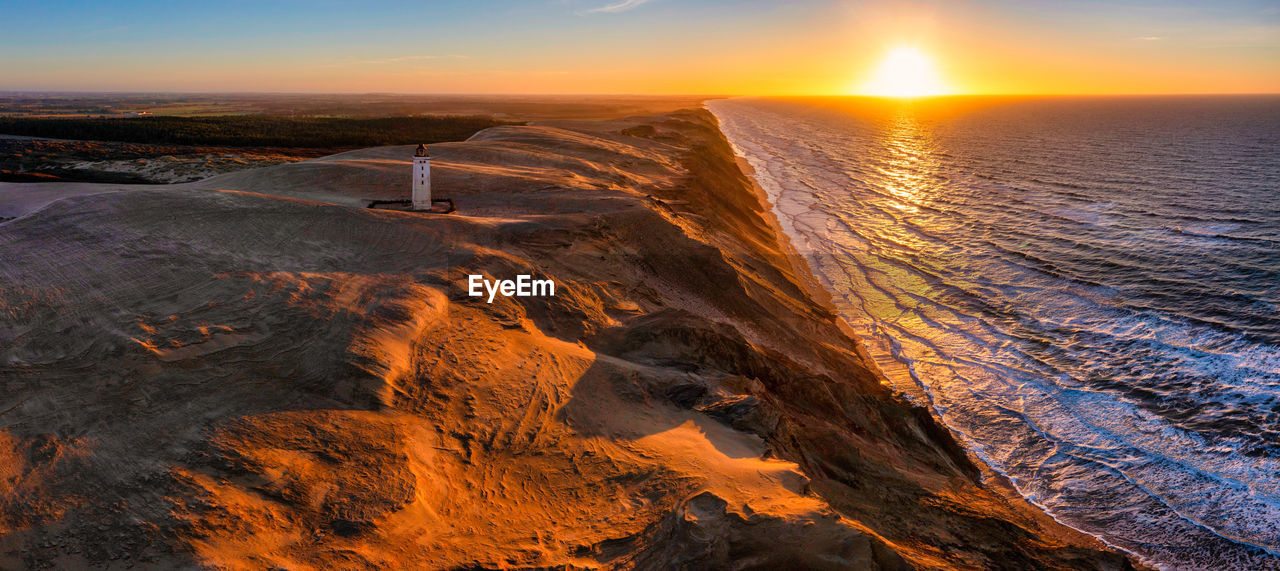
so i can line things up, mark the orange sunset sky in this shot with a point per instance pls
(640, 46)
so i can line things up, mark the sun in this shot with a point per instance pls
(905, 72)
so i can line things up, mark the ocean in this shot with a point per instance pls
(1085, 290)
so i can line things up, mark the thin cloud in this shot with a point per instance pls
(412, 58)
(383, 61)
(1149, 38)
(620, 6)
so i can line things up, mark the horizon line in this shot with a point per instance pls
(4, 91)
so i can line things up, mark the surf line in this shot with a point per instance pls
(523, 286)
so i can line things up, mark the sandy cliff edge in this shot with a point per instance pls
(247, 372)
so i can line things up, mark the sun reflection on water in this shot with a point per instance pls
(909, 166)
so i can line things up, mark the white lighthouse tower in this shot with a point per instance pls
(421, 179)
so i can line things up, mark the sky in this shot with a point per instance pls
(728, 47)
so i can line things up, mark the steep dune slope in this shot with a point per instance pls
(247, 372)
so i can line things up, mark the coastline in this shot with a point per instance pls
(278, 365)
(801, 268)
(991, 478)
(920, 235)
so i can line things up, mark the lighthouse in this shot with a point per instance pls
(421, 179)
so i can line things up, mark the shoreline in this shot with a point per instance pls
(1047, 383)
(991, 477)
(800, 264)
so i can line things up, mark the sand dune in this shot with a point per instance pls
(248, 372)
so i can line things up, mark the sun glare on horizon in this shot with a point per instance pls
(905, 72)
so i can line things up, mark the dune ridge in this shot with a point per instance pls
(251, 372)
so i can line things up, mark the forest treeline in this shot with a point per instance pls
(256, 130)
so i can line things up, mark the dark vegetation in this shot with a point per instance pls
(354, 106)
(255, 130)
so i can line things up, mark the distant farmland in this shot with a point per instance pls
(256, 130)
